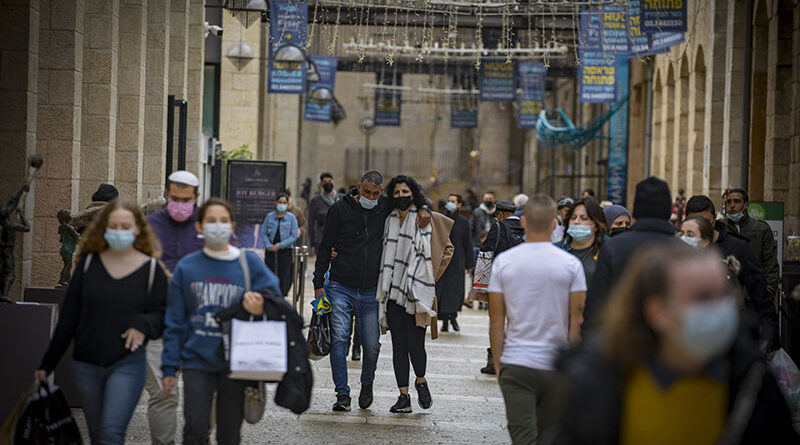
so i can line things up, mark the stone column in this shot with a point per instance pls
(283, 137)
(681, 134)
(58, 130)
(131, 96)
(734, 67)
(494, 139)
(195, 141)
(19, 51)
(178, 64)
(155, 110)
(99, 113)
(779, 107)
(793, 207)
(717, 21)
(694, 163)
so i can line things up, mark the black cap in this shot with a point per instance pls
(565, 201)
(105, 193)
(505, 206)
(653, 199)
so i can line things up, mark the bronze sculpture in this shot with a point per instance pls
(69, 240)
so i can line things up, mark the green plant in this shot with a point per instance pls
(243, 152)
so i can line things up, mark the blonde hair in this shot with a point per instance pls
(93, 240)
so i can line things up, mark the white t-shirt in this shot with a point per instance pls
(536, 280)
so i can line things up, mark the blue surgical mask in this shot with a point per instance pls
(217, 235)
(281, 207)
(119, 239)
(450, 206)
(690, 240)
(709, 328)
(580, 232)
(735, 217)
(367, 203)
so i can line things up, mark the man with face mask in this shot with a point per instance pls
(318, 208)
(175, 229)
(758, 234)
(354, 228)
(481, 220)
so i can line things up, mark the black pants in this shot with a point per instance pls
(281, 263)
(408, 341)
(447, 317)
(198, 391)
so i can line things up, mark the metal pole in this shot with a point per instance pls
(648, 121)
(366, 154)
(170, 134)
(184, 108)
(746, 92)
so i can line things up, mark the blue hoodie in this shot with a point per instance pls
(200, 287)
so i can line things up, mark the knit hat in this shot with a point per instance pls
(613, 212)
(653, 199)
(105, 193)
(184, 177)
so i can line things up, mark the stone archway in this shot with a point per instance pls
(695, 164)
(681, 102)
(668, 127)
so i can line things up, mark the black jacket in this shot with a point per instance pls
(752, 279)
(614, 257)
(294, 391)
(450, 286)
(317, 212)
(510, 233)
(593, 410)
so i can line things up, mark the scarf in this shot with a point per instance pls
(407, 271)
(328, 199)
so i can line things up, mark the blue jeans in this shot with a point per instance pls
(109, 395)
(361, 302)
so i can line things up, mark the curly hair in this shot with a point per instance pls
(93, 241)
(595, 213)
(416, 191)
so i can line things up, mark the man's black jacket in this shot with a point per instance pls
(753, 280)
(504, 235)
(613, 259)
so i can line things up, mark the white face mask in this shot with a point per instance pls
(690, 240)
(217, 235)
(709, 328)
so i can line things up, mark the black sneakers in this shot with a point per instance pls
(403, 404)
(342, 403)
(365, 396)
(424, 395)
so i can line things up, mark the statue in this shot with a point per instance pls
(306, 191)
(9, 228)
(69, 240)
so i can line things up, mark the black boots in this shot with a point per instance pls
(365, 396)
(445, 325)
(456, 327)
(489, 368)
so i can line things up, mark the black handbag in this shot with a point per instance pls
(319, 335)
(47, 419)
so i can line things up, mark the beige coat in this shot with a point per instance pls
(441, 254)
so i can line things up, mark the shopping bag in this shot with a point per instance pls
(258, 350)
(319, 335)
(47, 419)
(9, 427)
(788, 377)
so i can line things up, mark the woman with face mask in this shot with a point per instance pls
(279, 233)
(412, 261)
(113, 306)
(585, 232)
(696, 232)
(204, 283)
(675, 363)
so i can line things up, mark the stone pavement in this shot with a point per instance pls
(467, 405)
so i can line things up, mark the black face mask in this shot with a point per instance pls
(616, 231)
(488, 204)
(328, 186)
(402, 203)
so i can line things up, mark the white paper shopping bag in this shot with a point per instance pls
(258, 350)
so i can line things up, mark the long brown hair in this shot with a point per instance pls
(629, 338)
(93, 241)
(595, 213)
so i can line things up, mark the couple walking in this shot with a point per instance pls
(390, 250)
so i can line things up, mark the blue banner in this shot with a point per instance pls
(388, 101)
(497, 80)
(661, 42)
(464, 111)
(288, 32)
(597, 77)
(317, 109)
(532, 81)
(618, 139)
(639, 43)
(615, 30)
(663, 15)
(591, 32)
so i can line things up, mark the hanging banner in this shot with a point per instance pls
(597, 77)
(615, 30)
(319, 109)
(464, 111)
(388, 101)
(661, 42)
(288, 33)
(663, 15)
(532, 78)
(497, 80)
(639, 43)
(618, 139)
(591, 31)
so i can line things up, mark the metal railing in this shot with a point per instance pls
(298, 287)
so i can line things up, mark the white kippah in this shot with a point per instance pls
(184, 177)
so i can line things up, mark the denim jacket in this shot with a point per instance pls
(289, 230)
